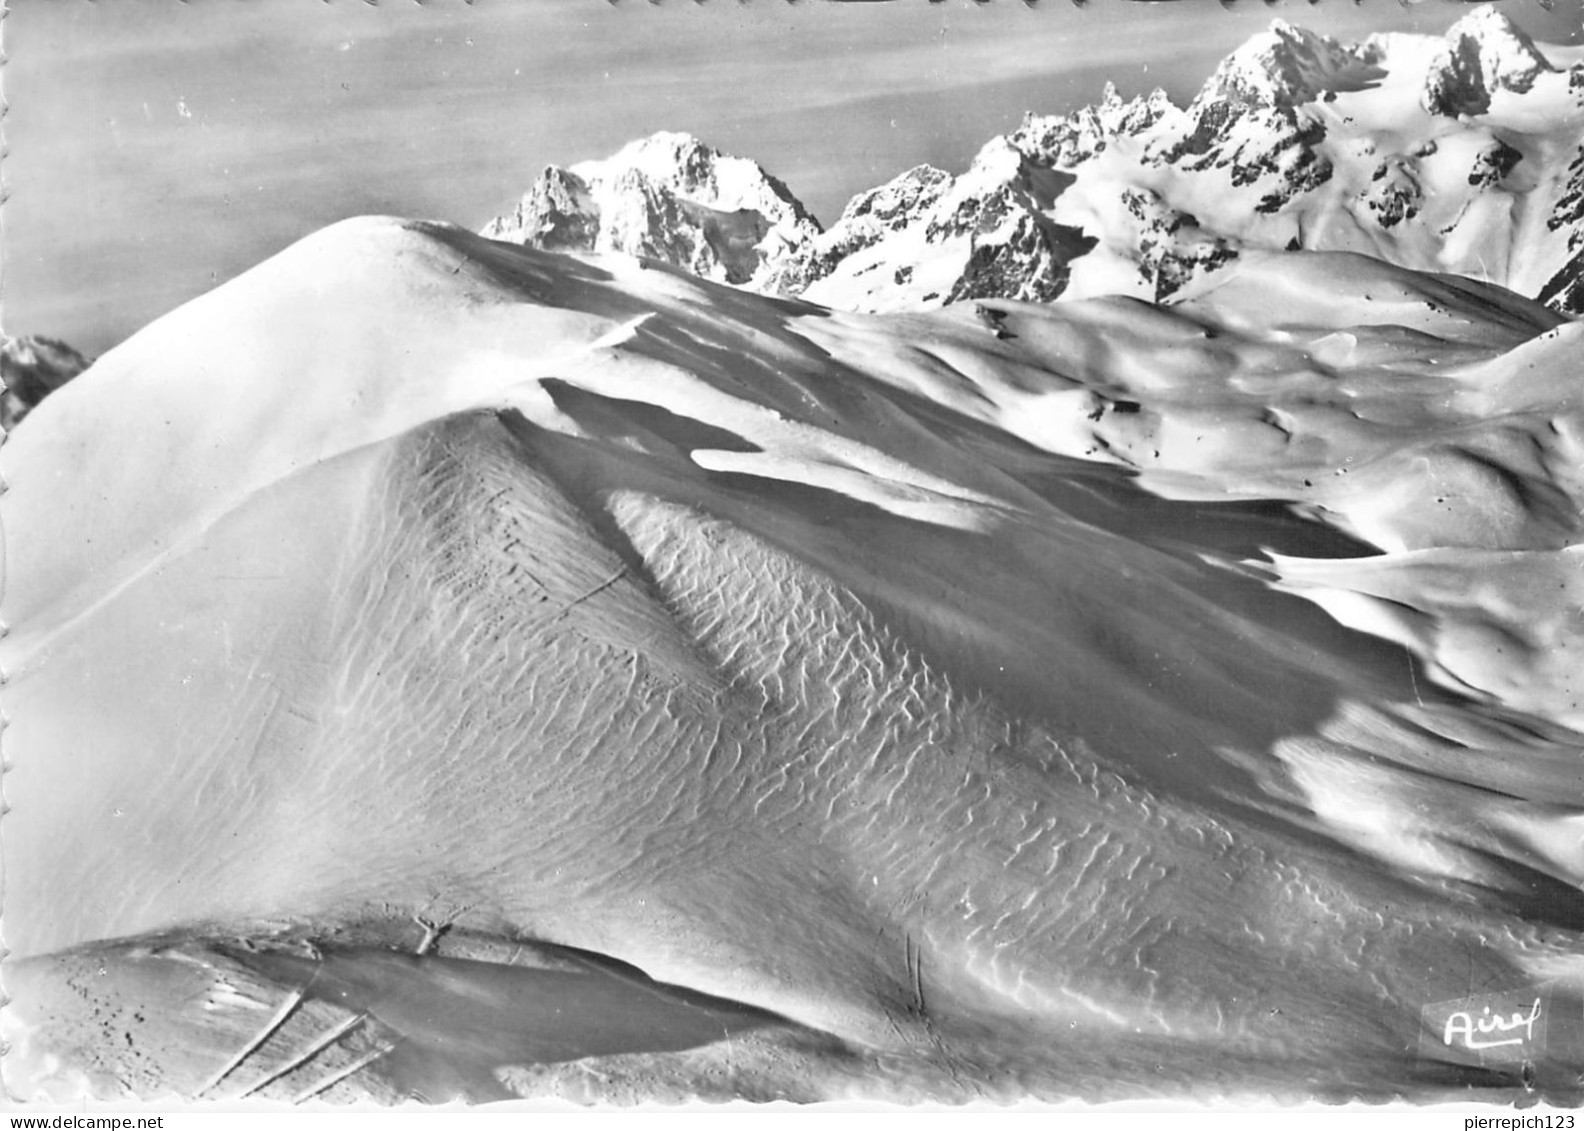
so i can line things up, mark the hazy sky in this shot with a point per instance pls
(156, 148)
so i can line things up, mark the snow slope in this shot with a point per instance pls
(1094, 698)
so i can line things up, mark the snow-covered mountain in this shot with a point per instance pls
(668, 197)
(1459, 153)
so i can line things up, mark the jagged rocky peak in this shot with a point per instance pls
(1067, 140)
(1275, 147)
(1292, 131)
(898, 200)
(32, 368)
(868, 218)
(928, 239)
(1284, 66)
(705, 175)
(1250, 117)
(1482, 53)
(1134, 115)
(1061, 141)
(1002, 179)
(1026, 257)
(997, 215)
(557, 213)
(669, 197)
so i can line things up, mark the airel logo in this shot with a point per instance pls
(1507, 1028)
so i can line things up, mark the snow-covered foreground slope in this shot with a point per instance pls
(959, 687)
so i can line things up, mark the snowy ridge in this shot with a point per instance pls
(1113, 663)
(1458, 153)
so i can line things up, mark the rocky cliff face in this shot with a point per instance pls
(1454, 154)
(1565, 290)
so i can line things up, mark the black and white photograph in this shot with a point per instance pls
(925, 554)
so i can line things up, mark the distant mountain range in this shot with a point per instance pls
(1462, 153)
(1458, 154)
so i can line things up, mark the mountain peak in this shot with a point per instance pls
(671, 156)
(678, 141)
(668, 196)
(1283, 65)
(1491, 26)
(700, 172)
(1482, 53)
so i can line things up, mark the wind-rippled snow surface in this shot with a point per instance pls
(1099, 700)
